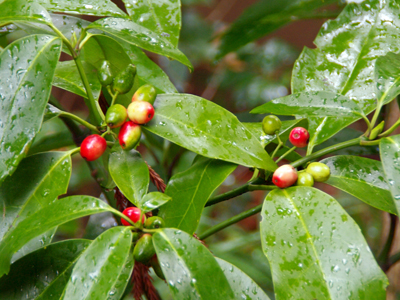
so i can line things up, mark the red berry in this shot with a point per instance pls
(299, 137)
(133, 213)
(129, 135)
(93, 147)
(284, 176)
(140, 112)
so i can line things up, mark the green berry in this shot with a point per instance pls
(146, 93)
(154, 223)
(104, 74)
(271, 124)
(123, 82)
(304, 179)
(144, 249)
(319, 171)
(116, 116)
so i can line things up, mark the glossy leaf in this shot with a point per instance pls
(163, 17)
(190, 191)
(264, 17)
(25, 86)
(315, 249)
(206, 128)
(153, 200)
(363, 178)
(44, 273)
(51, 112)
(287, 126)
(82, 7)
(389, 150)
(140, 36)
(387, 77)
(44, 219)
(22, 195)
(188, 265)
(67, 77)
(242, 285)
(344, 60)
(130, 173)
(96, 274)
(22, 11)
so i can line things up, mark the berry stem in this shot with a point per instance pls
(280, 143)
(285, 154)
(114, 97)
(79, 120)
(231, 221)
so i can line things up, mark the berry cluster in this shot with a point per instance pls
(139, 111)
(144, 251)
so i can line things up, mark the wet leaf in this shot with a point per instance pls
(363, 178)
(140, 36)
(130, 173)
(67, 77)
(315, 249)
(44, 273)
(26, 72)
(163, 17)
(207, 129)
(44, 219)
(20, 10)
(188, 265)
(242, 285)
(344, 60)
(153, 200)
(387, 77)
(190, 191)
(104, 268)
(390, 151)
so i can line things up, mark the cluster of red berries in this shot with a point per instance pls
(139, 111)
(144, 251)
(286, 175)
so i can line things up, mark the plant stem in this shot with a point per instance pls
(74, 151)
(261, 187)
(374, 118)
(233, 220)
(325, 151)
(114, 97)
(277, 147)
(285, 154)
(392, 260)
(79, 120)
(390, 130)
(384, 255)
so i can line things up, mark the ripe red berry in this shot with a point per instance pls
(299, 137)
(93, 147)
(133, 213)
(140, 112)
(129, 135)
(284, 176)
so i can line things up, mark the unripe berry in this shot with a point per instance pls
(299, 137)
(304, 179)
(146, 93)
(133, 213)
(284, 176)
(319, 171)
(154, 223)
(93, 147)
(129, 135)
(144, 249)
(116, 116)
(140, 112)
(271, 124)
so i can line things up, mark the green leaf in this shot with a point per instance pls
(264, 17)
(82, 7)
(22, 194)
(162, 17)
(67, 77)
(20, 10)
(130, 173)
(311, 104)
(153, 200)
(284, 132)
(315, 249)
(362, 178)
(97, 273)
(189, 267)
(148, 71)
(44, 273)
(140, 36)
(207, 129)
(387, 77)
(241, 284)
(389, 150)
(25, 86)
(344, 60)
(190, 191)
(46, 218)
